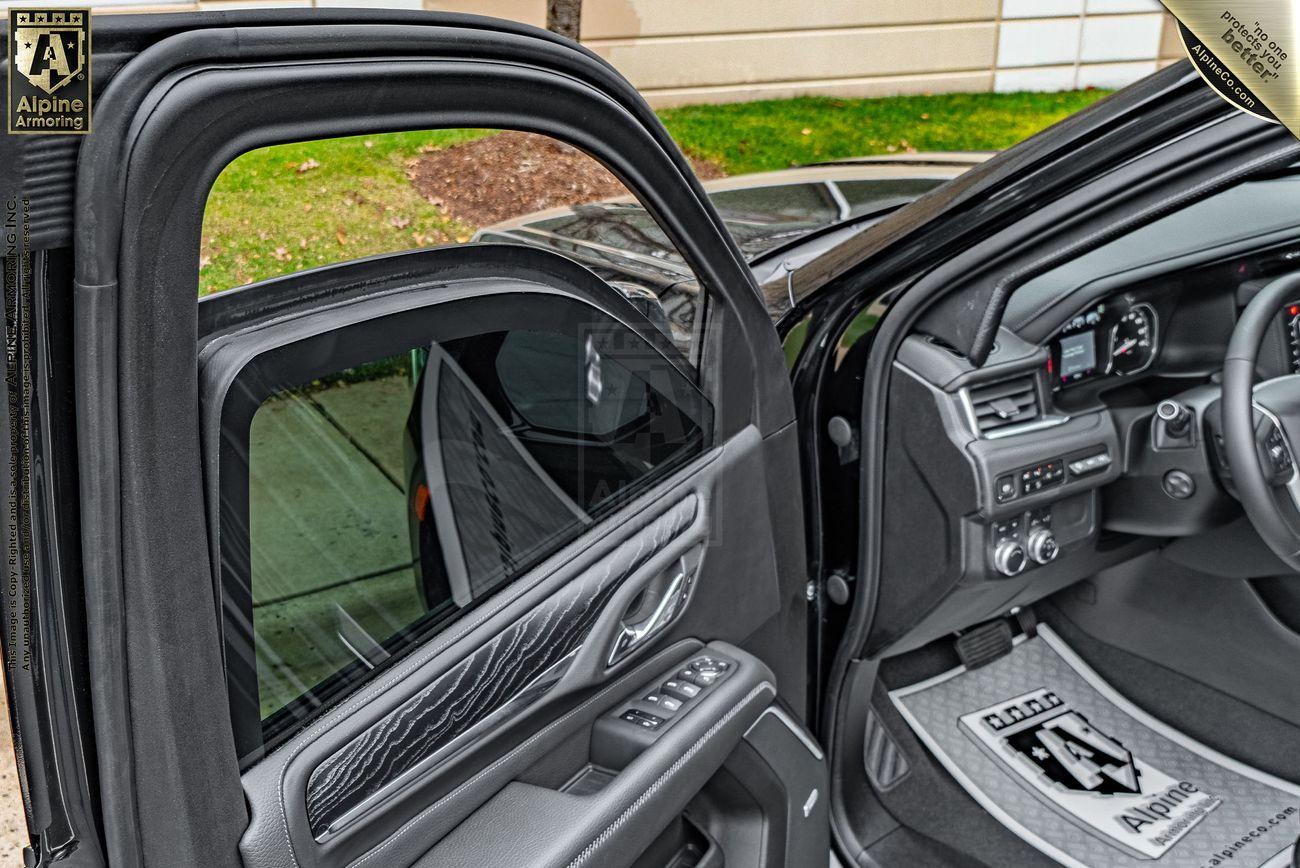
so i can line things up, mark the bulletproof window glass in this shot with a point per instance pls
(377, 482)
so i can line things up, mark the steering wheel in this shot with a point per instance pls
(1260, 424)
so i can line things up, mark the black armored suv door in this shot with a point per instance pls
(452, 556)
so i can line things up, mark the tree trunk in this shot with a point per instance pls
(564, 17)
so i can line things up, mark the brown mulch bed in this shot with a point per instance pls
(13, 824)
(510, 174)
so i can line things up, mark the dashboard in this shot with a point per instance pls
(1089, 434)
(1055, 462)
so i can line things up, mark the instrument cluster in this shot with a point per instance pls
(1114, 338)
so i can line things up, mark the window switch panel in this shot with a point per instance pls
(627, 729)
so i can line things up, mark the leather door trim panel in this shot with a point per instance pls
(518, 665)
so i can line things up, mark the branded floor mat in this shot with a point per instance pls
(1063, 761)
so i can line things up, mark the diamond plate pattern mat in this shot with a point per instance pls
(1063, 761)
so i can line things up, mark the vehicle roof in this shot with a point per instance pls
(943, 165)
(782, 237)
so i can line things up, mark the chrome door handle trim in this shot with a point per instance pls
(632, 636)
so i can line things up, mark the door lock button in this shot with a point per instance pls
(643, 719)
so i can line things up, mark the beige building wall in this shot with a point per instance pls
(685, 51)
(689, 51)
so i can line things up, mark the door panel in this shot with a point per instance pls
(415, 751)
(392, 768)
(415, 804)
(396, 766)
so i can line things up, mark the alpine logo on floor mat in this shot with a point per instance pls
(1091, 776)
(1076, 770)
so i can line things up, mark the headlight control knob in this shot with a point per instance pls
(1009, 558)
(1042, 546)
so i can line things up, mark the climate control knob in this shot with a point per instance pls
(1042, 546)
(1009, 558)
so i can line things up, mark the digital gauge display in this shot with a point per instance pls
(1078, 356)
(1117, 339)
(1079, 348)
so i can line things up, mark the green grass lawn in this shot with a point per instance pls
(290, 207)
(774, 134)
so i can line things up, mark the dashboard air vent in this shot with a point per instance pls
(1005, 403)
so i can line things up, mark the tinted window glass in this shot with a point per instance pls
(866, 197)
(383, 499)
(808, 204)
(537, 370)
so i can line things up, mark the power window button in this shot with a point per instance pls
(681, 689)
(667, 703)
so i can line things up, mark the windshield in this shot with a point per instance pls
(760, 219)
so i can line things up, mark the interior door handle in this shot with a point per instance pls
(665, 597)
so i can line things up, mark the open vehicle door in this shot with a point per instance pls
(595, 653)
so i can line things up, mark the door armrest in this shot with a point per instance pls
(531, 825)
